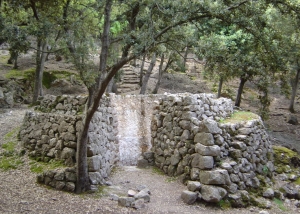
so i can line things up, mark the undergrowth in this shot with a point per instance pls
(10, 158)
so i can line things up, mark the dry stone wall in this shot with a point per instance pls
(179, 133)
(51, 132)
(225, 158)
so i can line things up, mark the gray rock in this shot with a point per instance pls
(290, 191)
(125, 201)
(202, 162)
(195, 173)
(70, 176)
(59, 175)
(217, 177)
(210, 126)
(69, 187)
(142, 163)
(206, 139)
(189, 197)
(59, 185)
(292, 119)
(67, 153)
(193, 186)
(269, 193)
(95, 178)
(207, 150)
(142, 195)
(138, 204)
(94, 163)
(212, 193)
(114, 197)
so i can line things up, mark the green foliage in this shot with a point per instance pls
(280, 204)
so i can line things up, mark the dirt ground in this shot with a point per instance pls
(19, 193)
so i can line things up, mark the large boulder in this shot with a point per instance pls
(189, 197)
(216, 177)
(212, 194)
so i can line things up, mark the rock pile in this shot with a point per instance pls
(135, 198)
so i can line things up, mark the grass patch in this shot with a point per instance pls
(12, 134)
(12, 162)
(9, 146)
(280, 204)
(39, 167)
(157, 170)
(239, 116)
(297, 182)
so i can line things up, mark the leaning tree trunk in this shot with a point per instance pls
(142, 70)
(83, 183)
(40, 61)
(147, 76)
(160, 72)
(185, 57)
(240, 91)
(295, 83)
(220, 87)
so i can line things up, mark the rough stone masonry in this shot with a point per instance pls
(179, 133)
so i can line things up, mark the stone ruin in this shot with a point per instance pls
(179, 133)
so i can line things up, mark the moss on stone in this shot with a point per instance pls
(297, 181)
(282, 158)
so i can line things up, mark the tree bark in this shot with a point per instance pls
(220, 87)
(160, 72)
(147, 76)
(238, 100)
(142, 70)
(185, 57)
(40, 61)
(295, 84)
(83, 183)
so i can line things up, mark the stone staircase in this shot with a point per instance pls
(129, 79)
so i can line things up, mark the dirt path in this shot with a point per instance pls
(19, 193)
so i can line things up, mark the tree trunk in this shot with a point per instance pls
(160, 72)
(147, 76)
(240, 91)
(294, 83)
(40, 61)
(142, 70)
(185, 57)
(83, 183)
(220, 87)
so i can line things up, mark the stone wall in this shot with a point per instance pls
(225, 157)
(179, 133)
(51, 132)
